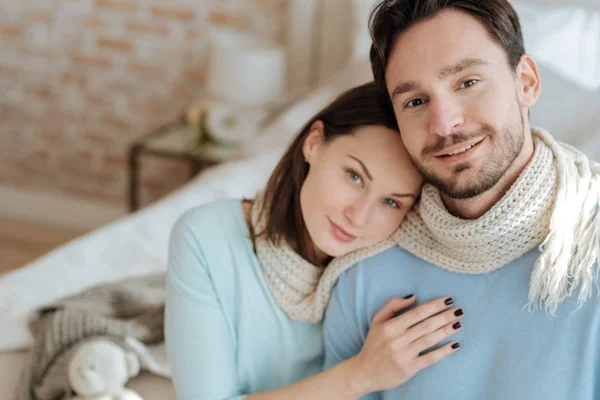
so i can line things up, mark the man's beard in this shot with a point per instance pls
(510, 142)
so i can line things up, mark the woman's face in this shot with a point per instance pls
(359, 188)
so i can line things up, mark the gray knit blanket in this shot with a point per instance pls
(129, 312)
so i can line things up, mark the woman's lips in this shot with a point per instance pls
(340, 234)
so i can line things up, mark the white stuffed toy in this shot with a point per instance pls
(99, 370)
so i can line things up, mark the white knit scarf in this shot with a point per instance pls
(553, 204)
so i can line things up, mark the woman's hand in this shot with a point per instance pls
(391, 353)
(389, 357)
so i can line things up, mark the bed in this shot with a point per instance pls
(563, 36)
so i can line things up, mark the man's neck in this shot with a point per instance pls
(475, 207)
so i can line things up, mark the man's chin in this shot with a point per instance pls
(454, 182)
(465, 191)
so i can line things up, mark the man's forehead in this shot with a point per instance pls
(431, 45)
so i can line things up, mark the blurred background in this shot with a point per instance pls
(80, 80)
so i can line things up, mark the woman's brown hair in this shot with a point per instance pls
(360, 106)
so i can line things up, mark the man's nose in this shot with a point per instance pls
(445, 117)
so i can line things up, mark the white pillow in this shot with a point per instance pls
(570, 113)
(565, 37)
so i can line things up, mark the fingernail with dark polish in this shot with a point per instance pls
(456, 345)
(458, 312)
(448, 301)
(409, 296)
(457, 325)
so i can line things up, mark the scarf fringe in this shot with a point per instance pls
(570, 254)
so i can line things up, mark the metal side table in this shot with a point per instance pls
(176, 140)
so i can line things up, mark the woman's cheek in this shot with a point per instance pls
(387, 223)
(332, 186)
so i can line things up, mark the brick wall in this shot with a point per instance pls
(80, 79)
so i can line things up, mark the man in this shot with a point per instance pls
(508, 224)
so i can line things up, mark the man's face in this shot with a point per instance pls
(455, 98)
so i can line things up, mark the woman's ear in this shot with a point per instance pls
(529, 81)
(313, 142)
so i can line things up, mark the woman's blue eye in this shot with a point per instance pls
(391, 203)
(355, 177)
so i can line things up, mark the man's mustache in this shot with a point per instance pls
(454, 139)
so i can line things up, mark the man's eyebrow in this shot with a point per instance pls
(364, 168)
(459, 66)
(404, 87)
(410, 86)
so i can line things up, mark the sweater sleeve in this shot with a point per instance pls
(200, 345)
(343, 337)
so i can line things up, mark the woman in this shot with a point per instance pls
(247, 288)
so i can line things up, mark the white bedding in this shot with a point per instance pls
(135, 245)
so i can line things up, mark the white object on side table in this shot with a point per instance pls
(246, 75)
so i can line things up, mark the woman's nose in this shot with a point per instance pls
(357, 213)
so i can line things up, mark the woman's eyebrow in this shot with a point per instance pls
(364, 168)
(368, 174)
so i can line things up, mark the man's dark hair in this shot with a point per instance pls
(391, 18)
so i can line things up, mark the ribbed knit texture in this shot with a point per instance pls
(516, 224)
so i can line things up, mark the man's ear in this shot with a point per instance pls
(313, 141)
(528, 79)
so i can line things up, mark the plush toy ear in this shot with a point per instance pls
(133, 363)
